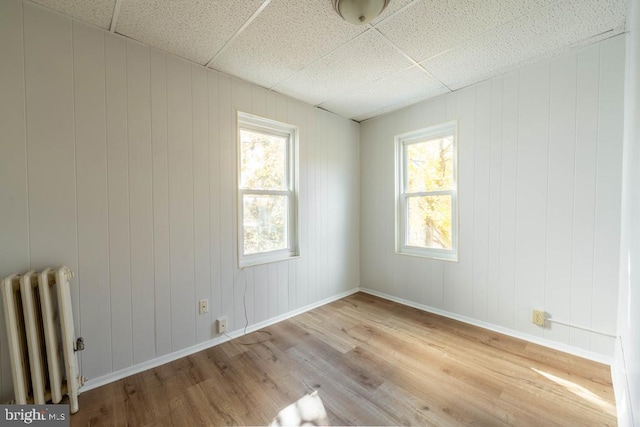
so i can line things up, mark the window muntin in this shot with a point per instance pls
(426, 219)
(267, 190)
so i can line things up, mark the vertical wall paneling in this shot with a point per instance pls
(201, 196)
(531, 198)
(214, 194)
(160, 172)
(119, 161)
(321, 189)
(368, 197)
(298, 116)
(93, 219)
(283, 287)
(508, 192)
(539, 190)
(118, 196)
(292, 265)
(463, 273)
(608, 192)
(51, 142)
(140, 200)
(312, 206)
(481, 194)
(272, 302)
(226, 123)
(181, 227)
(495, 193)
(335, 154)
(587, 95)
(14, 223)
(261, 286)
(562, 141)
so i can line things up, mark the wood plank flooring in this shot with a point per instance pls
(373, 362)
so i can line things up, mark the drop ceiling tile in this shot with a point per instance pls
(535, 37)
(429, 27)
(367, 58)
(398, 90)
(192, 29)
(95, 12)
(284, 38)
(392, 7)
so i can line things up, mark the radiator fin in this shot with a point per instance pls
(39, 321)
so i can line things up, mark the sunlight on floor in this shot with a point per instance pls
(580, 391)
(307, 411)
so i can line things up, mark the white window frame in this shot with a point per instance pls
(402, 196)
(271, 127)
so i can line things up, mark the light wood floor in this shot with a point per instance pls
(373, 362)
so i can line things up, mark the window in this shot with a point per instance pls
(427, 201)
(267, 190)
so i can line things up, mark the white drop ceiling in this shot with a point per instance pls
(416, 49)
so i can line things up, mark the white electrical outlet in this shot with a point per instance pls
(203, 306)
(221, 325)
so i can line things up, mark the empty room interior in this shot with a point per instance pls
(344, 212)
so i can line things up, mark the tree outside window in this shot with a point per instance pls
(267, 190)
(427, 199)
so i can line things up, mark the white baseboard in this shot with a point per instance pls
(506, 331)
(123, 373)
(621, 388)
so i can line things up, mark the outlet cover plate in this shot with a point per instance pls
(203, 306)
(221, 325)
(537, 317)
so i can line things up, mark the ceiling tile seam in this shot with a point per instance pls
(240, 30)
(490, 30)
(549, 55)
(393, 107)
(413, 61)
(411, 3)
(360, 86)
(532, 60)
(292, 75)
(115, 16)
(332, 112)
(586, 42)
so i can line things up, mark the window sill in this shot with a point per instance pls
(254, 261)
(435, 255)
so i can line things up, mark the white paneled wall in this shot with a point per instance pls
(539, 188)
(119, 161)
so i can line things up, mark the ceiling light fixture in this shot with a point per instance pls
(359, 12)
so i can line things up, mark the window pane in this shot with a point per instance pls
(429, 221)
(265, 223)
(430, 165)
(263, 161)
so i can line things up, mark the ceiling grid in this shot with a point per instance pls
(415, 49)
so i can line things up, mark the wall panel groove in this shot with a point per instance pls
(128, 177)
(539, 188)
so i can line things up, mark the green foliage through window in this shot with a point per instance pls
(266, 190)
(427, 192)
